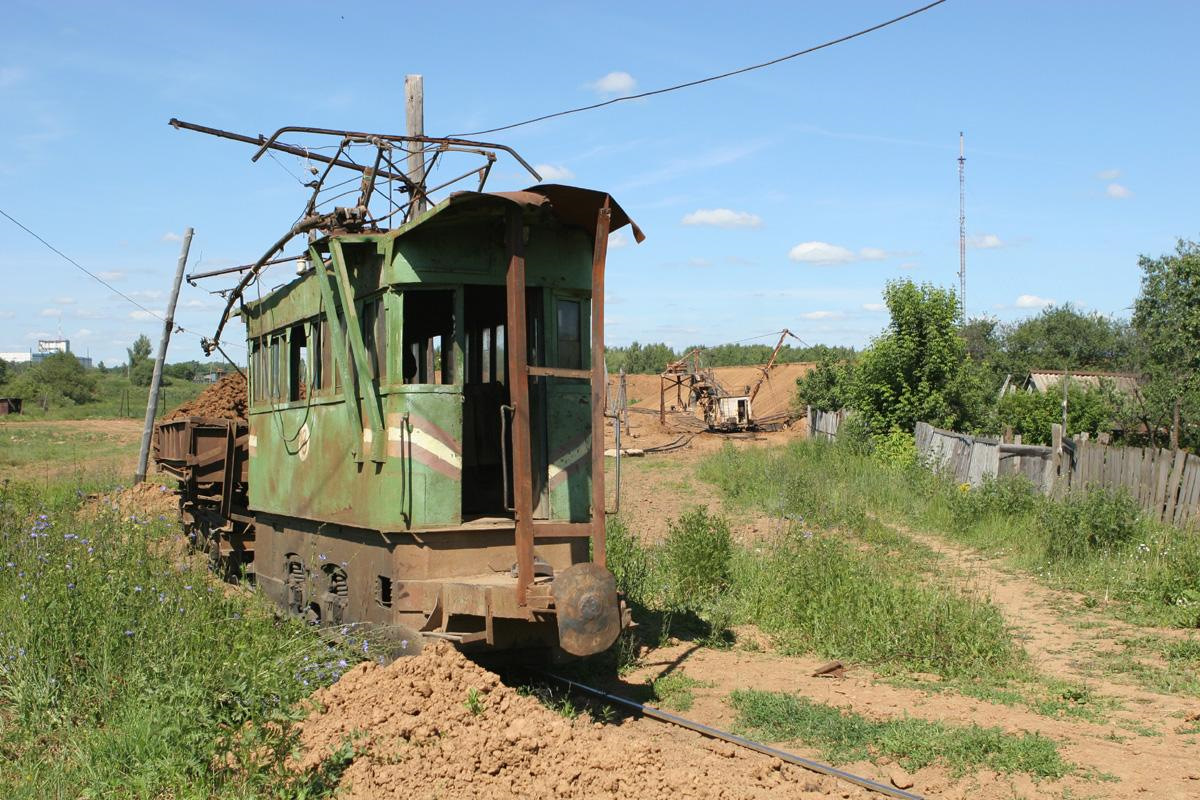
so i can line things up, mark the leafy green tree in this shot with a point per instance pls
(826, 387)
(1063, 337)
(649, 359)
(139, 352)
(3, 370)
(918, 370)
(1166, 316)
(1031, 414)
(59, 379)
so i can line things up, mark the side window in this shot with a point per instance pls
(374, 331)
(428, 336)
(316, 352)
(278, 367)
(570, 335)
(257, 375)
(297, 363)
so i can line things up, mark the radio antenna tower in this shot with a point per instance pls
(962, 231)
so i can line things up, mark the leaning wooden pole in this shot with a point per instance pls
(156, 380)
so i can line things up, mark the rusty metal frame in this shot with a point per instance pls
(518, 381)
(599, 380)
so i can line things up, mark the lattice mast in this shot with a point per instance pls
(962, 231)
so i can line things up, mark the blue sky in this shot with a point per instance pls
(784, 197)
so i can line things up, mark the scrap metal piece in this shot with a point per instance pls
(588, 610)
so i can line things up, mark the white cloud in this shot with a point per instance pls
(1033, 301)
(553, 172)
(170, 236)
(907, 265)
(873, 306)
(112, 275)
(82, 333)
(50, 312)
(64, 301)
(614, 83)
(1117, 190)
(146, 294)
(723, 218)
(617, 240)
(7, 314)
(985, 241)
(826, 253)
(822, 315)
(1108, 174)
(143, 316)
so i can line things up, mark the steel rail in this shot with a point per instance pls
(732, 738)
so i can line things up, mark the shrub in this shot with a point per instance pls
(1100, 520)
(630, 563)
(896, 448)
(1011, 495)
(695, 561)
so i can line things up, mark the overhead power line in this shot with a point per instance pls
(710, 78)
(91, 274)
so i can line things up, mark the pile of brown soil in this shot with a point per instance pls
(225, 399)
(141, 501)
(419, 734)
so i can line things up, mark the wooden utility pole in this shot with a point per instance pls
(156, 380)
(414, 108)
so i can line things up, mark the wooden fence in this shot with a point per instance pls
(824, 424)
(1164, 482)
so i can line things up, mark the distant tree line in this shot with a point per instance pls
(926, 367)
(651, 359)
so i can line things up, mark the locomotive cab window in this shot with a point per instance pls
(428, 336)
(297, 363)
(570, 333)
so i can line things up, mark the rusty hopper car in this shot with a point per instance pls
(424, 441)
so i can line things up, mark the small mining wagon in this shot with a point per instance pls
(426, 411)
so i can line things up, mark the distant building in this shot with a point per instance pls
(46, 347)
(10, 405)
(1127, 383)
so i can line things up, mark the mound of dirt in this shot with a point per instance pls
(419, 734)
(141, 501)
(225, 399)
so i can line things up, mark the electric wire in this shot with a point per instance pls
(94, 276)
(710, 78)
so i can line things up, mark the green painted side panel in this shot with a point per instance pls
(417, 486)
(554, 257)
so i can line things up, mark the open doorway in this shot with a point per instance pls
(487, 439)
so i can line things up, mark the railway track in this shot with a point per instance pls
(715, 733)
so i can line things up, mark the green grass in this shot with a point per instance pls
(1048, 697)
(117, 398)
(867, 600)
(674, 690)
(1097, 544)
(126, 672)
(24, 444)
(844, 737)
(1156, 663)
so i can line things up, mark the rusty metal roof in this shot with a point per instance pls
(572, 205)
